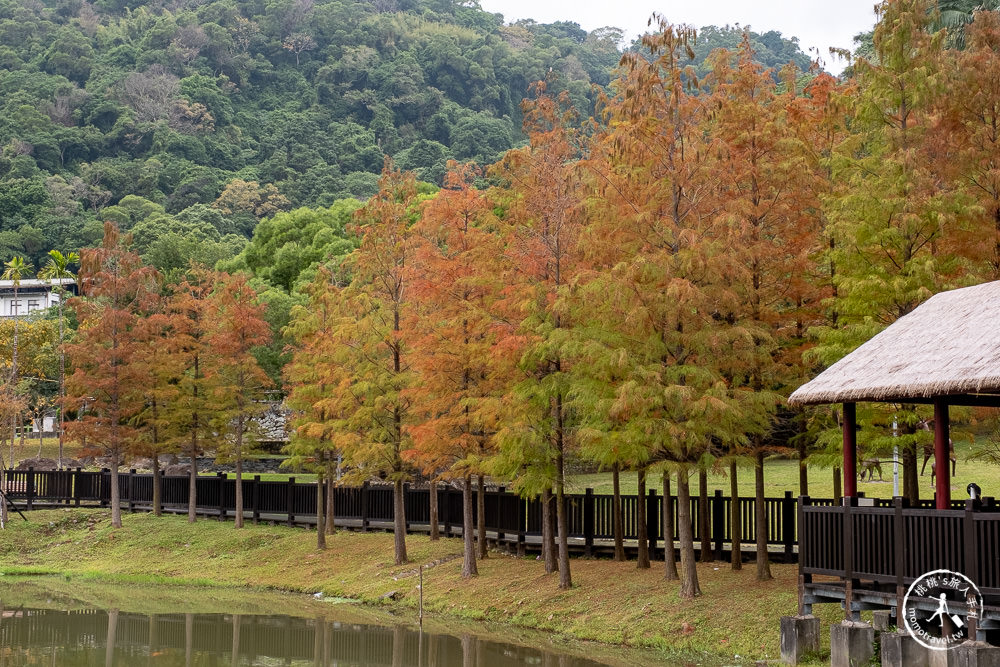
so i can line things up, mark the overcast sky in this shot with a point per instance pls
(817, 23)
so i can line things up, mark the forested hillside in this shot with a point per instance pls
(155, 108)
(188, 122)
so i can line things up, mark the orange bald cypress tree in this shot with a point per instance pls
(457, 375)
(189, 411)
(238, 381)
(365, 411)
(542, 222)
(768, 221)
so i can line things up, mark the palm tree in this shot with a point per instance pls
(55, 271)
(955, 15)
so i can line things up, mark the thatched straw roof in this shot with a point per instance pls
(950, 345)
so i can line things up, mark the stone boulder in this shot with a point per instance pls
(41, 463)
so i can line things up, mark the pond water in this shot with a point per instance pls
(111, 637)
(69, 623)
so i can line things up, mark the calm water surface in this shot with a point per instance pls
(56, 621)
(100, 637)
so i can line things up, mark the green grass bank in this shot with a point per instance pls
(613, 603)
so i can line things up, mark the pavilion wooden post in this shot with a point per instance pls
(850, 423)
(942, 464)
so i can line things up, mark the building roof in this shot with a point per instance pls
(948, 346)
(31, 283)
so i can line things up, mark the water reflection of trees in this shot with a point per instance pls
(48, 637)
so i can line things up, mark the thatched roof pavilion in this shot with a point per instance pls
(945, 352)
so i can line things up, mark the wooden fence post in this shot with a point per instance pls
(445, 508)
(290, 490)
(719, 522)
(588, 523)
(804, 578)
(788, 524)
(849, 613)
(406, 515)
(364, 507)
(899, 532)
(652, 525)
(220, 483)
(30, 491)
(255, 499)
(130, 484)
(522, 514)
(972, 550)
(76, 486)
(501, 492)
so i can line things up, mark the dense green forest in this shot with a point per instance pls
(187, 123)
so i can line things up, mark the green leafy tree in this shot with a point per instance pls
(15, 270)
(57, 271)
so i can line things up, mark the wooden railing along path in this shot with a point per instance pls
(865, 556)
(510, 519)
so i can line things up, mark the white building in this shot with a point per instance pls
(32, 294)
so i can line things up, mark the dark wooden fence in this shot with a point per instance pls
(509, 518)
(882, 547)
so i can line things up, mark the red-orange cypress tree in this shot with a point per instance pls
(543, 218)
(107, 386)
(238, 381)
(454, 395)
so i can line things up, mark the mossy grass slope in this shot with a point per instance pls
(610, 602)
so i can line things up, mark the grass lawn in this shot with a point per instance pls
(782, 475)
(610, 602)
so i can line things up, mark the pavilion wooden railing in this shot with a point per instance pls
(890, 543)
(512, 519)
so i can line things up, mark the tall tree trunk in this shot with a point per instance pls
(642, 533)
(562, 521)
(320, 513)
(157, 486)
(548, 541)
(469, 567)
(837, 493)
(481, 516)
(704, 533)
(669, 555)
(760, 518)
(193, 473)
(803, 470)
(433, 496)
(239, 471)
(116, 508)
(399, 521)
(689, 569)
(331, 517)
(617, 519)
(736, 518)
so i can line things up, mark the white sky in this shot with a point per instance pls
(817, 23)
